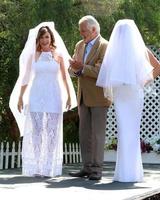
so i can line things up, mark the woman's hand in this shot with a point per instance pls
(20, 104)
(68, 103)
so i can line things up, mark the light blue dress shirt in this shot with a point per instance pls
(88, 48)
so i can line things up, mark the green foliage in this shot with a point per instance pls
(12, 33)
(71, 132)
(146, 14)
(18, 16)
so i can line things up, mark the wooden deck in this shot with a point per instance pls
(15, 186)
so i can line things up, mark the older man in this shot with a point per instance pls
(92, 105)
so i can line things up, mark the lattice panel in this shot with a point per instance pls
(150, 123)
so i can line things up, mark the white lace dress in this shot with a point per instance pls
(42, 151)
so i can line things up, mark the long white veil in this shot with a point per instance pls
(29, 52)
(126, 59)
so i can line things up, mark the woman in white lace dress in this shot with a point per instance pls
(125, 70)
(46, 92)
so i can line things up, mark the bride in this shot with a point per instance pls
(42, 93)
(126, 68)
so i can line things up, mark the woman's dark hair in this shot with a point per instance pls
(41, 32)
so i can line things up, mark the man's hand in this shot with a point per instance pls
(76, 65)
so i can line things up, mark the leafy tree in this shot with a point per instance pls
(14, 20)
(146, 14)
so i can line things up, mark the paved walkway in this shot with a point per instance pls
(14, 186)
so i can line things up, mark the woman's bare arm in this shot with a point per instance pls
(155, 63)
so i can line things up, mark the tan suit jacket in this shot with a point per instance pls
(92, 95)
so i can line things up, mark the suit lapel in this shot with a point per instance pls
(81, 52)
(93, 50)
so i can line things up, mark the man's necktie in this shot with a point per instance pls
(85, 53)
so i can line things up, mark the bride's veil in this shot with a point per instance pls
(126, 59)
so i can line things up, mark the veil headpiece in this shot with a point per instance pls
(29, 53)
(126, 59)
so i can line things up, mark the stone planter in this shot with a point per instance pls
(150, 158)
(110, 155)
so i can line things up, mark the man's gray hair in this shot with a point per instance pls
(91, 21)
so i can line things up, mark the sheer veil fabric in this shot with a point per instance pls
(26, 58)
(126, 60)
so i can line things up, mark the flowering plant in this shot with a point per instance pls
(146, 145)
(111, 144)
(155, 143)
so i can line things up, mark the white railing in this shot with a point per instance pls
(71, 153)
(10, 155)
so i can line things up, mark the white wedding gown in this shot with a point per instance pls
(128, 102)
(42, 151)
